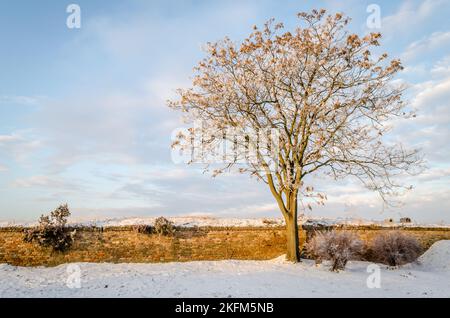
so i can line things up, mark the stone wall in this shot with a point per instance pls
(123, 245)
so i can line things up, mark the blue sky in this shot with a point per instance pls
(83, 118)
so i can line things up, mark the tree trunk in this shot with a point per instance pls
(293, 248)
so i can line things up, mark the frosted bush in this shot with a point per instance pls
(337, 247)
(164, 227)
(52, 230)
(395, 248)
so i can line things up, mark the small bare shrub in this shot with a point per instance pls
(337, 247)
(143, 229)
(269, 222)
(164, 227)
(52, 230)
(395, 248)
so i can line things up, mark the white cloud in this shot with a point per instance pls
(442, 67)
(120, 127)
(434, 174)
(164, 86)
(435, 41)
(25, 100)
(418, 70)
(20, 145)
(409, 15)
(4, 139)
(431, 128)
(48, 182)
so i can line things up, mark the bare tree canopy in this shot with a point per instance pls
(328, 96)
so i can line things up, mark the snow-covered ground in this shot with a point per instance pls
(275, 278)
(191, 221)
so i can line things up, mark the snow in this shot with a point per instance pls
(187, 221)
(193, 221)
(231, 278)
(437, 257)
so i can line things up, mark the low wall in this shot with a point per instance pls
(123, 245)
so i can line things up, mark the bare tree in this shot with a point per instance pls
(323, 90)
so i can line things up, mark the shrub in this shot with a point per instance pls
(52, 230)
(269, 222)
(143, 229)
(395, 248)
(164, 227)
(334, 246)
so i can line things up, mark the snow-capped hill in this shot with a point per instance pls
(197, 221)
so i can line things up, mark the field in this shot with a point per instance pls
(430, 277)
